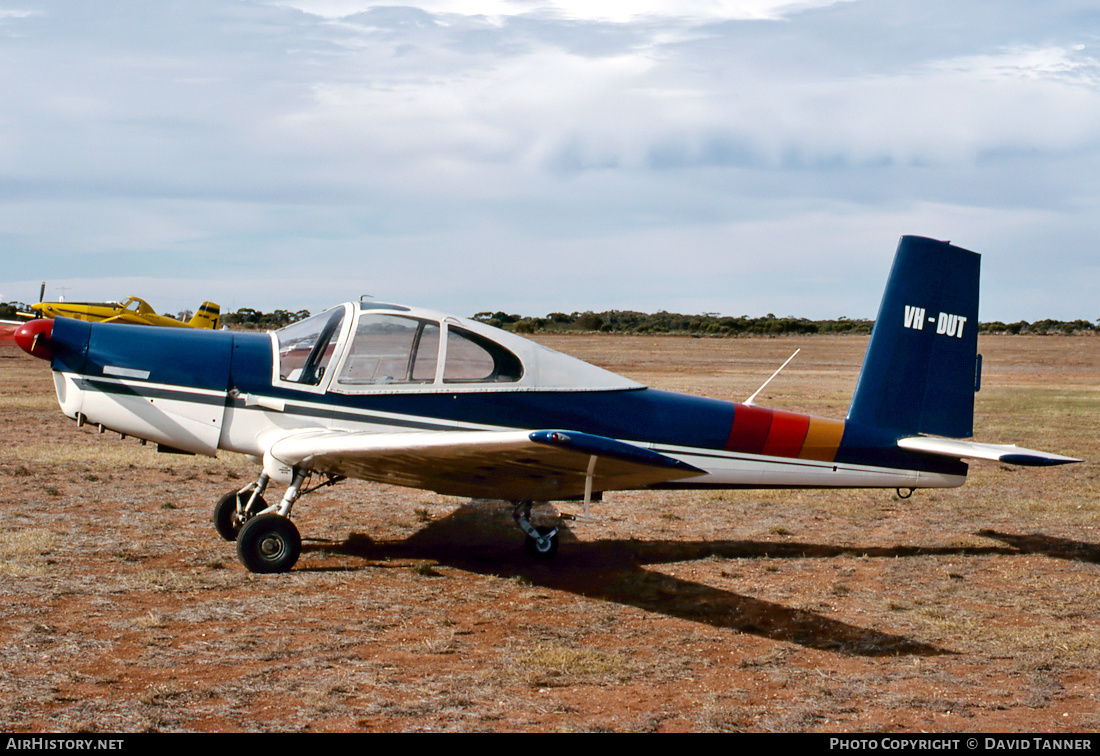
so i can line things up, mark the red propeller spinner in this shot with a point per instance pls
(33, 338)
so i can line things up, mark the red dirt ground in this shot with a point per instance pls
(975, 609)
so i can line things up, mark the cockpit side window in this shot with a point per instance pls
(389, 349)
(305, 347)
(474, 358)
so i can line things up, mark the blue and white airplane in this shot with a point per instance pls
(417, 398)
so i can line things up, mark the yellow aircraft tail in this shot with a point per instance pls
(208, 316)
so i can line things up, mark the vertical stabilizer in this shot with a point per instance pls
(919, 375)
(208, 316)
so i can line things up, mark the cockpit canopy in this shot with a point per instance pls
(370, 347)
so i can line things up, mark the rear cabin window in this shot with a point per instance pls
(472, 358)
(388, 349)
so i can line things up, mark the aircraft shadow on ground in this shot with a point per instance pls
(1051, 546)
(480, 537)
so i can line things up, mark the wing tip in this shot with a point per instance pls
(1037, 459)
(589, 443)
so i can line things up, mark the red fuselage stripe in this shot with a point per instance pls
(776, 433)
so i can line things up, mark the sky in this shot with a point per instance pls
(739, 157)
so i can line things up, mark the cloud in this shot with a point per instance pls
(613, 11)
(544, 153)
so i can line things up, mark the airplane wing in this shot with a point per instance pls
(8, 329)
(540, 465)
(1008, 453)
(126, 317)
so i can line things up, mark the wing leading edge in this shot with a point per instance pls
(540, 465)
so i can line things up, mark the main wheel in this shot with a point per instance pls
(543, 547)
(227, 521)
(269, 543)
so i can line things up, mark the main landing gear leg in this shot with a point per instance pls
(541, 542)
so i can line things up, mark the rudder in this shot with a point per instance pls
(208, 316)
(919, 374)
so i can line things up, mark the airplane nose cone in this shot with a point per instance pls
(33, 338)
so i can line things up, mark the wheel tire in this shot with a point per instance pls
(226, 521)
(545, 551)
(269, 543)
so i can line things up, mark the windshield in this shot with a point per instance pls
(305, 347)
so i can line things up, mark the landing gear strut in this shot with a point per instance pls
(237, 507)
(541, 542)
(270, 542)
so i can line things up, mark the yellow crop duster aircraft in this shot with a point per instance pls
(133, 310)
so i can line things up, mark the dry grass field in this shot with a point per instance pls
(973, 609)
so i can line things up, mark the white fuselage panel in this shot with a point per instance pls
(189, 421)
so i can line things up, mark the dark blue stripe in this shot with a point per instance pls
(608, 447)
(151, 392)
(1030, 460)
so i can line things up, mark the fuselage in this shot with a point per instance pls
(133, 310)
(202, 391)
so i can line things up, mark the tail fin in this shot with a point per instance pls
(920, 372)
(208, 316)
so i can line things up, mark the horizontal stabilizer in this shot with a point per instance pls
(543, 465)
(1008, 453)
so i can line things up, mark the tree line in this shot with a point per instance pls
(713, 324)
(629, 321)
(248, 318)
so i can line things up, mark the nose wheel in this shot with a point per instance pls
(269, 543)
(232, 511)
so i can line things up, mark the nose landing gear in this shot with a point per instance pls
(267, 541)
(237, 507)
